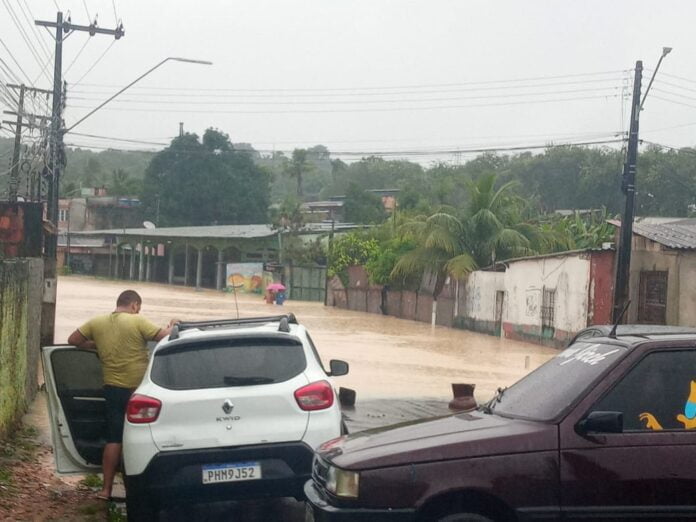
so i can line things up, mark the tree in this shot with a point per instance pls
(297, 167)
(361, 206)
(493, 227)
(441, 250)
(205, 182)
(123, 184)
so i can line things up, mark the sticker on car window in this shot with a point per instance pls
(688, 418)
(591, 354)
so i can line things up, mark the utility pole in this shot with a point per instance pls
(181, 128)
(48, 312)
(19, 123)
(623, 265)
(14, 173)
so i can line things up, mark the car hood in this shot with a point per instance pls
(463, 435)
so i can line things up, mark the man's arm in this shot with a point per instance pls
(164, 332)
(77, 339)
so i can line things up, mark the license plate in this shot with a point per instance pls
(234, 472)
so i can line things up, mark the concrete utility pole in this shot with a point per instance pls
(48, 312)
(623, 266)
(628, 186)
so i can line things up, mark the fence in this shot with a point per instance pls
(306, 283)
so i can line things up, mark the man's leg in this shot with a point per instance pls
(110, 460)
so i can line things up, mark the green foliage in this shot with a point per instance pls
(577, 232)
(92, 480)
(352, 249)
(361, 206)
(206, 182)
(381, 265)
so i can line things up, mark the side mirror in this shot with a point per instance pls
(601, 422)
(338, 368)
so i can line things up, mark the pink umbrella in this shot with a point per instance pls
(275, 287)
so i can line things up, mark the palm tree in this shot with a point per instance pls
(297, 166)
(494, 226)
(441, 250)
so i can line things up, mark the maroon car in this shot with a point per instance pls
(603, 430)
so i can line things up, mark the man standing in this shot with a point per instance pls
(120, 339)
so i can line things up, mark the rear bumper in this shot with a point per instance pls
(319, 510)
(176, 476)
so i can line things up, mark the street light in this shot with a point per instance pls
(176, 59)
(665, 52)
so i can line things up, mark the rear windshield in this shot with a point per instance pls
(546, 392)
(222, 364)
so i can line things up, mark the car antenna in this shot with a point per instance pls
(236, 304)
(612, 334)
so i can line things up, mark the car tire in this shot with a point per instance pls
(139, 508)
(464, 517)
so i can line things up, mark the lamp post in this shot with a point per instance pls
(185, 60)
(623, 265)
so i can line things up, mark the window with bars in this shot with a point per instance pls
(548, 307)
(63, 214)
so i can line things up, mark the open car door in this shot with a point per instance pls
(76, 407)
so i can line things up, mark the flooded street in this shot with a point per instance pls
(388, 357)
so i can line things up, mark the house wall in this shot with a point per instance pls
(477, 296)
(686, 299)
(650, 256)
(525, 281)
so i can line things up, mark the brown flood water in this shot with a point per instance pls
(388, 357)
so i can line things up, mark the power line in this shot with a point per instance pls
(30, 20)
(347, 102)
(23, 34)
(95, 63)
(372, 88)
(246, 93)
(355, 110)
(78, 55)
(432, 152)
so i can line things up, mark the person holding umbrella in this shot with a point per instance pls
(275, 293)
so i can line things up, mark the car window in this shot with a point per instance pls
(219, 364)
(657, 393)
(546, 392)
(315, 352)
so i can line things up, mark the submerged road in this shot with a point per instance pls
(400, 369)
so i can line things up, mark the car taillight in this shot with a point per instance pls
(142, 409)
(315, 396)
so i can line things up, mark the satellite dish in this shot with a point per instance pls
(149, 225)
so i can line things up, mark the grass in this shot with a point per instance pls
(20, 446)
(116, 514)
(92, 481)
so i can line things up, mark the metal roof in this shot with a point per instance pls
(211, 232)
(679, 234)
(217, 231)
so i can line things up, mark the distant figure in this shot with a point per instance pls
(120, 338)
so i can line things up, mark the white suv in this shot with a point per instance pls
(227, 409)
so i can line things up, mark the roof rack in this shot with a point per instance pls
(285, 320)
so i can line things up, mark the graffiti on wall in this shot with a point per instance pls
(531, 303)
(245, 277)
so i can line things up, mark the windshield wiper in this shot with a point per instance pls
(490, 405)
(246, 381)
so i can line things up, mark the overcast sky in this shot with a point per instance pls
(371, 75)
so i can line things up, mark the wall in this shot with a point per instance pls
(650, 256)
(21, 284)
(687, 289)
(477, 301)
(524, 284)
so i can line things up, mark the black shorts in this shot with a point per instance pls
(116, 402)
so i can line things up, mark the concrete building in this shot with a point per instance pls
(662, 283)
(543, 299)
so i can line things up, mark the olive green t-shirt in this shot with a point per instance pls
(121, 340)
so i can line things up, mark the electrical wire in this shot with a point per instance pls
(354, 110)
(89, 17)
(15, 61)
(373, 88)
(77, 55)
(95, 63)
(30, 21)
(23, 34)
(113, 3)
(349, 102)
(244, 93)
